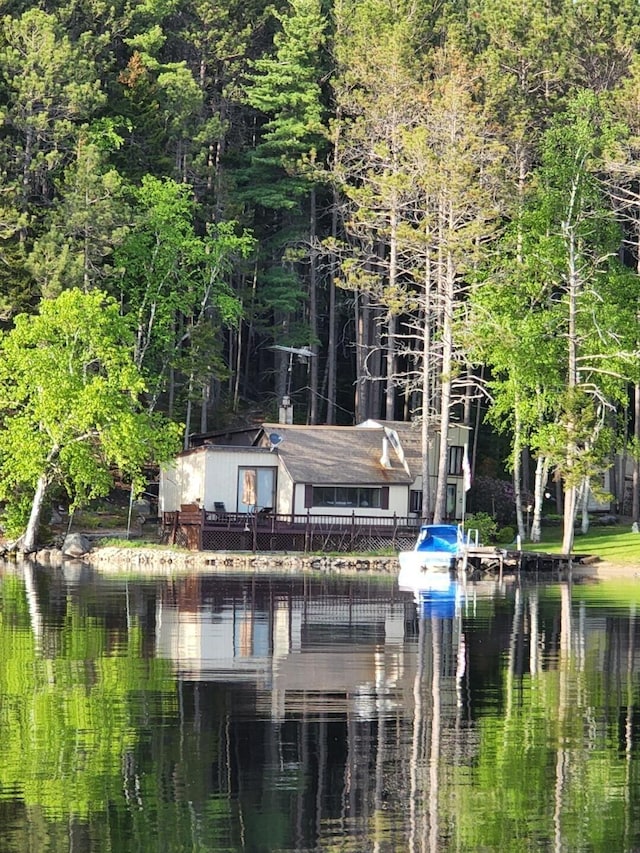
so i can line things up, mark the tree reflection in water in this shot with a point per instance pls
(267, 712)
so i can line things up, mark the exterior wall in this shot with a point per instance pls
(207, 476)
(182, 482)
(284, 492)
(221, 482)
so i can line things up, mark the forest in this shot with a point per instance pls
(439, 200)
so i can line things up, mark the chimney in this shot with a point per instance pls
(385, 461)
(285, 413)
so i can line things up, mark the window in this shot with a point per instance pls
(346, 496)
(456, 455)
(256, 488)
(415, 501)
(452, 497)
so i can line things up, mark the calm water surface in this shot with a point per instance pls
(279, 713)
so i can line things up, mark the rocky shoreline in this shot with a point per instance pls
(166, 561)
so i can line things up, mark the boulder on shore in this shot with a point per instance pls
(76, 545)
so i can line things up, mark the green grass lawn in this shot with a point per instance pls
(616, 544)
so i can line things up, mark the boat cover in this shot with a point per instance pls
(439, 537)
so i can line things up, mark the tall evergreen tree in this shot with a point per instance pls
(285, 166)
(378, 98)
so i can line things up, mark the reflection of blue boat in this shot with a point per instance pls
(433, 560)
(440, 603)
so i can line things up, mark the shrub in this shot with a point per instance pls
(505, 535)
(484, 524)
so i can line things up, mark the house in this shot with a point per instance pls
(370, 474)
(374, 468)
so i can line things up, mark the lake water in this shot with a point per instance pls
(281, 713)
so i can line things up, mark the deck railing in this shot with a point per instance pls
(205, 529)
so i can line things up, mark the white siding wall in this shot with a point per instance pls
(221, 482)
(285, 493)
(182, 482)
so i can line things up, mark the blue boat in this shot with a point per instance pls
(432, 563)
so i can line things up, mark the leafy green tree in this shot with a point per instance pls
(161, 102)
(563, 338)
(51, 89)
(70, 401)
(174, 281)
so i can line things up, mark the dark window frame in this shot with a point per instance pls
(455, 460)
(347, 497)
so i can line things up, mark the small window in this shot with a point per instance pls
(452, 499)
(456, 456)
(415, 501)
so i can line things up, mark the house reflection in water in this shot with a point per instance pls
(302, 646)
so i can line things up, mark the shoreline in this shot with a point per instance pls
(112, 559)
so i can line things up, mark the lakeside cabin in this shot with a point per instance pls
(284, 487)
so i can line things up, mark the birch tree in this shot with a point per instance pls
(456, 165)
(571, 286)
(71, 413)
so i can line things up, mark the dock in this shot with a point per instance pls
(479, 560)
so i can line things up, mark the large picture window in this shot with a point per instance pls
(347, 496)
(256, 488)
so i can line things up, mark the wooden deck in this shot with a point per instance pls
(200, 529)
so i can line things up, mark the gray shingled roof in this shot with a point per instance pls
(338, 455)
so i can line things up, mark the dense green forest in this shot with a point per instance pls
(440, 199)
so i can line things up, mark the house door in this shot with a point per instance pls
(256, 489)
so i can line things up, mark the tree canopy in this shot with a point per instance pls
(348, 176)
(71, 411)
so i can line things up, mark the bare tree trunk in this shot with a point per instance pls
(362, 343)
(427, 508)
(375, 363)
(333, 274)
(30, 538)
(635, 482)
(542, 473)
(584, 505)
(517, 473)
(238, 368)
(440, 507)
(249, 335)
(313, 311)
(390, 389)
(569, 514)
(570, 498)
